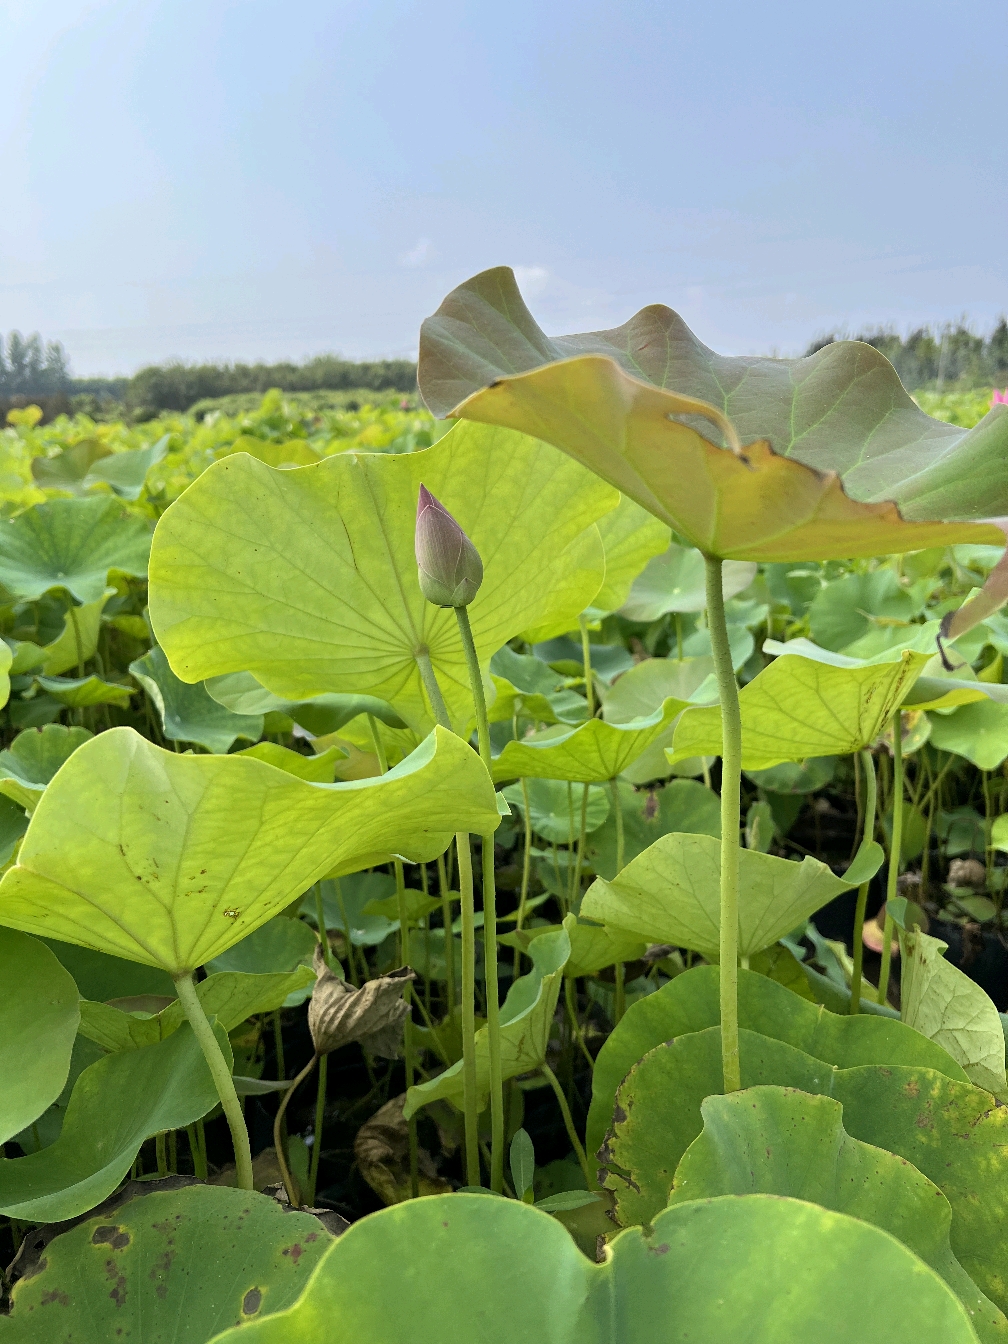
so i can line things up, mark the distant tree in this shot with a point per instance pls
(30, 369)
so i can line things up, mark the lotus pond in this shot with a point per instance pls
(532, 873)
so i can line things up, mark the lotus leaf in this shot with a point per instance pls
(631, 538)
(116, 1104)
(33, 758)
(671, 893)
(70, 544)
(466, 1266)
(77, 642)
(682, 805)
(525, 1020)
(181, 1265)
(555, 810)
(224, 598)
(977, 731)
(170, 859)
(676, 581)
(860, 605)
(13, 824)
(593, 947)
(808, 702)
(241, 693)
(948, 1130)
(640, 691)
(689, 1003)
(88, 463)
(188, 713)
(39, 1014)
(830, 440)
(319, 769)
(230, 996)
(776, 1141)
(593, 752)
(82, 692)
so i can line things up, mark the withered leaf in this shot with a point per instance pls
(382, 1152)
(374, 1015)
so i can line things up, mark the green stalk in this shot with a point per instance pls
(895, 852)
(162, 1155)
(586, 659)
(731, 790)
(489, 918)
(867, 835)
(449, 952)
(323, 932)
(473, 1174)
(316, 1152)
(568, 1120)
(620, 999)
(351, 962)
(221, 1074)
(407, 993)
(526, 867)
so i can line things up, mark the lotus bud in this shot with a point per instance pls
(450, 569)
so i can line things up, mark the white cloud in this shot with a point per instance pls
(417, 255)
(532, 280)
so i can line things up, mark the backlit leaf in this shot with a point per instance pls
(71, 544)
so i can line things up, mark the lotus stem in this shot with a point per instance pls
(290, 1184)
(895, 852)
(316, 1152)
(568, 1120)
(489, 917)
(526, 868)
(570, 999)
(446, 919)
(867, 835)
(731, 790)
(586, 658)
(323, 932)
(620, 999)
(221, 1074)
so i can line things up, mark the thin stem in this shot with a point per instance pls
(731, 792)
(172, 1152)
(678, 635)
(449, 938)
(568, 1120)
(316, 1152)
(895, 852)
(867, 835)
(404, 942)
(619, 1007)
(77, 640)
(290, 1185)
(473, 1176)
(526, 868)
(489, 918)
(281, 1070)
(432, 688)
(221, 1074)
(323, 932)
(571, 1001)
(586, 659)
(576, 902)
(354, 977)
(162, 1155)
(618, 810)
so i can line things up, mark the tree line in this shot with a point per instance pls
(939, 357)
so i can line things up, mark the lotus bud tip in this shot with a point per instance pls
(449, 566)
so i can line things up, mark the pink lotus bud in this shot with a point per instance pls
(450, 569)
(999, 398)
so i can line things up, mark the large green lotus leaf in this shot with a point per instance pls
(554, 808)
(280, 944)
(71, 544)
(116, 1105)
(99, 976)
(806, 704)
(640, 691)
(564, 706)
(690, 1003)
(82, 692)
(13, 824)
(39, 1014)
(188, 713)
(229, 996)
(307, 578)
(242, 694)
(631, 538)
(777, 1141)
(525, 1020)
(682, 805)
(721, 1271)
(828, 438)
(33, 758)
(948, 1130)
(944, 1004)
(856, 604)
(671, 893)
(178, 1265)
(170, 859)
(977, 731)
(83, 465)
(592, 753)
(677, 581)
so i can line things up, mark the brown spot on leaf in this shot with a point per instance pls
(116, 1237)
(55, 1296)
(251, 1302)
(912, 1089)
(295, 1252)
(118, 1293)
(658, 1250)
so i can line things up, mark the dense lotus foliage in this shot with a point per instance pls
(595, 934)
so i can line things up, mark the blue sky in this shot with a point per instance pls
(214, 179)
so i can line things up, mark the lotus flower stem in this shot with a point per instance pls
(351, 962)
(586, 659)
(731, 791)
(400, 882)
(895, 852)
(290, 1184)
(867, 835)
(323, 932)
(526, 868)
(446, 920)
(316, 1152)
(489, 917)
(221, 1074)
(568, 1120)
(620, 999)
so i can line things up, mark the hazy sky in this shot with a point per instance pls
(218, 179)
